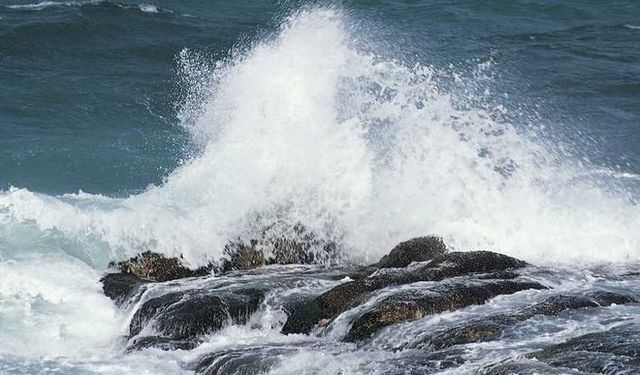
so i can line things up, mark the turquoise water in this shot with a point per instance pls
(178, 126)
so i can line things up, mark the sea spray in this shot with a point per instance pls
(308, 127)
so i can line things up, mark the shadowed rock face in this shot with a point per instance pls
(616, 351)
(415, 304)
(186, 315)
(121, 286)
(419, 249)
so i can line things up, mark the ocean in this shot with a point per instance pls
(178, 126)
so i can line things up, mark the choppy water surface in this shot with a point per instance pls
(126, 127)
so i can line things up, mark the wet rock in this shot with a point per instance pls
(445, 266)
(279, 243)
(418, 249)
(418, 362)
(407, 305)
(614, 351)
(246, 360)
(162, 343)
(479, 331)
(241, 256)
(463, 263)
(156, 267)
(492, 327)
(526, 368)
(185, 315)
(606, 298)
(303, 313)
(121, 286)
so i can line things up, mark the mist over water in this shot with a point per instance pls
(313, 126)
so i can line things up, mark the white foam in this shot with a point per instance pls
(48, 4)
(52, 306)
(307, 126)
(148, 8)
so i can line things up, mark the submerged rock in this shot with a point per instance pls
(418, 249)
(492, 327)
(246, 360)
(614, 351)
(526, 368)
(156, 267)
(415, 304)
(161, 343)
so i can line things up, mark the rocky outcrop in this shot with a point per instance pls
(246, 360)
(364, 304)
(156, 267)
(187, 315)
(445, 266)
(492, 327)
(417, 303)
(161, 343)
(305, 314)
(273, 246)
(420, 249)
(121, 287)
(614, 351)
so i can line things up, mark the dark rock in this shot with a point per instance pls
(303, 313)
(606, 298)
(557, 304)
(526, 368)
(241, 256)
(244, 361)
(156, 267)
(492, 327)
(445, 266)
(120, 286)
(407, 305)
(279, 243)
(410, 362)
(418, 249)
(162, 343)
(463, 263)
(476, 332)
(614, 351)
(185, 315)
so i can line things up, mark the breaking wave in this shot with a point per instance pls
(310, 126)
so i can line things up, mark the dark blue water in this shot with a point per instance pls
(89, 90)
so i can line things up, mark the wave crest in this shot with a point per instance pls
(306, 127)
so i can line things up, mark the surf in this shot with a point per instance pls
(313, 125)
